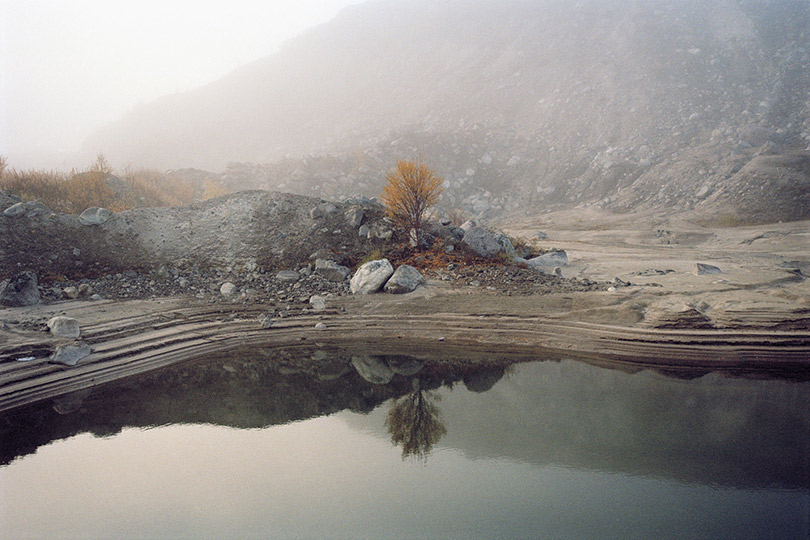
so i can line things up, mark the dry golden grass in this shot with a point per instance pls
(76, 191)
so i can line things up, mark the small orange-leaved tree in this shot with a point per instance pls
(410, 190)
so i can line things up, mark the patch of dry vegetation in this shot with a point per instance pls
(73, 192)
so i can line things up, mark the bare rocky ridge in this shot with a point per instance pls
(521, 106)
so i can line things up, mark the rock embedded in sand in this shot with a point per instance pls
(71, 354)
(701, 269)
(19, 291)
(66, 327)
(557, 257)
(370, 277)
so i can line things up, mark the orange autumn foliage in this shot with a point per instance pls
(411, 189)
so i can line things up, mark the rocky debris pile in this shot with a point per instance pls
(511, 279)
(241, 232)
(250, 246)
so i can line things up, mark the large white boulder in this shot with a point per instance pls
(370, 277)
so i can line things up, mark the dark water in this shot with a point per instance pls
(392, 447)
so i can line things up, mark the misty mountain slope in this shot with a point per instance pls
(520, 105)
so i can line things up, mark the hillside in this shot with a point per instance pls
(521, 105)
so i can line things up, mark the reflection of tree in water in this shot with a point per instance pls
(414, 422)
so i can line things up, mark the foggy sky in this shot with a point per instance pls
(68, 68)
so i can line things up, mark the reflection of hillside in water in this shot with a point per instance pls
(711, 430)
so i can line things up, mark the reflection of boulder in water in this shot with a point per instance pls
(68, 403)
(331, 370)
(405, 365)
(483, 379)
(373, 369)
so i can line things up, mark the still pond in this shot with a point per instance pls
(383, 447)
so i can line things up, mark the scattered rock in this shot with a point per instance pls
(94, 216)
(288, 276)
(331, 270)
(71, 293)
(227, 289)
(320, 326)
(317, 302)
(66, 327)
(540, 235)
(266, 322)
(370, 277)
(405, 279)
(354, 216)
(71, 354)
(27, 208)
(701, 269)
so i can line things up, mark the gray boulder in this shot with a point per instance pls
(371, 276)
(331, 270)
(21, 290)
(405, 279)
(374, 370)
(506, 244)
(701, 269)
(557, 257)
(71, 354)
(482, 242)
(66, 327)
(94, 216)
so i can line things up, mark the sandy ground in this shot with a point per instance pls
(754, 315)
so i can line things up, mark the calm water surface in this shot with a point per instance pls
(390, 447)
